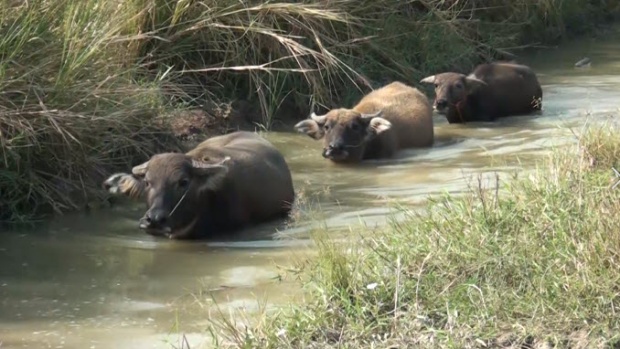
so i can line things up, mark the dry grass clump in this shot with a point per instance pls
(288, 57)
(534, 266)
(71, 109)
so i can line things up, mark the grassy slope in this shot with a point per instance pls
(82, 82)
(535, 265)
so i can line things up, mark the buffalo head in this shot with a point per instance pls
(176, 186)
(452, 89)
(345, 132)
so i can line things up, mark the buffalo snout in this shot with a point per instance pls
(441, 104)
(154, 219)
(335, 151)
(336, 147)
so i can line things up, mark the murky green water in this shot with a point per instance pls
(96, 281)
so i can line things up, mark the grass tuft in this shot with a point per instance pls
(534, 265)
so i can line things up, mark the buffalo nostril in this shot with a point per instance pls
(335, 146)
(155, 219)
(442, 103)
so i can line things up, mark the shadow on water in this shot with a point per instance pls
(96, 281)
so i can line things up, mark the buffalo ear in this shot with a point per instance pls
(378, 125)
(313, 126)
(140, 170)
(310, 128)
(113, 183)
(210, 175)
(124, 184)
(375, 124)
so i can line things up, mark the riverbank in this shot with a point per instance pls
(89, 88)
(531, 265)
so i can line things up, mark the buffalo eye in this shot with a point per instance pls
(326, 127)
(184, 183)
(459, 85)
(147, 183)
(355, 127)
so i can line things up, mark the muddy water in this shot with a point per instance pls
(96, 281)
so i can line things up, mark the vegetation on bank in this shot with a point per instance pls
(89, 87)
(533, 266)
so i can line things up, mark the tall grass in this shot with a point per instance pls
(325, 53)
(87, 86)
(71, 108)
(531, 266)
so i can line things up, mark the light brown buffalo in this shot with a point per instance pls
(388, 119)
(225, 183)
(491, 91)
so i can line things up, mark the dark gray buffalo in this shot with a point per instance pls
(491, 91)
(393, 117)
(226, 183)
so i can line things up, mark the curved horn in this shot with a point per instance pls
(204, 164)
(140, 170)
(428, 79)
(474, 79)
(373, 115)
(318, 118)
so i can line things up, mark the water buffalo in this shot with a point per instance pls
(393, 117)
(223, 184)
(491, 91)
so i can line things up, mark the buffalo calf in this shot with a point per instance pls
(393, 117)
(225, 183)
(491, 91)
